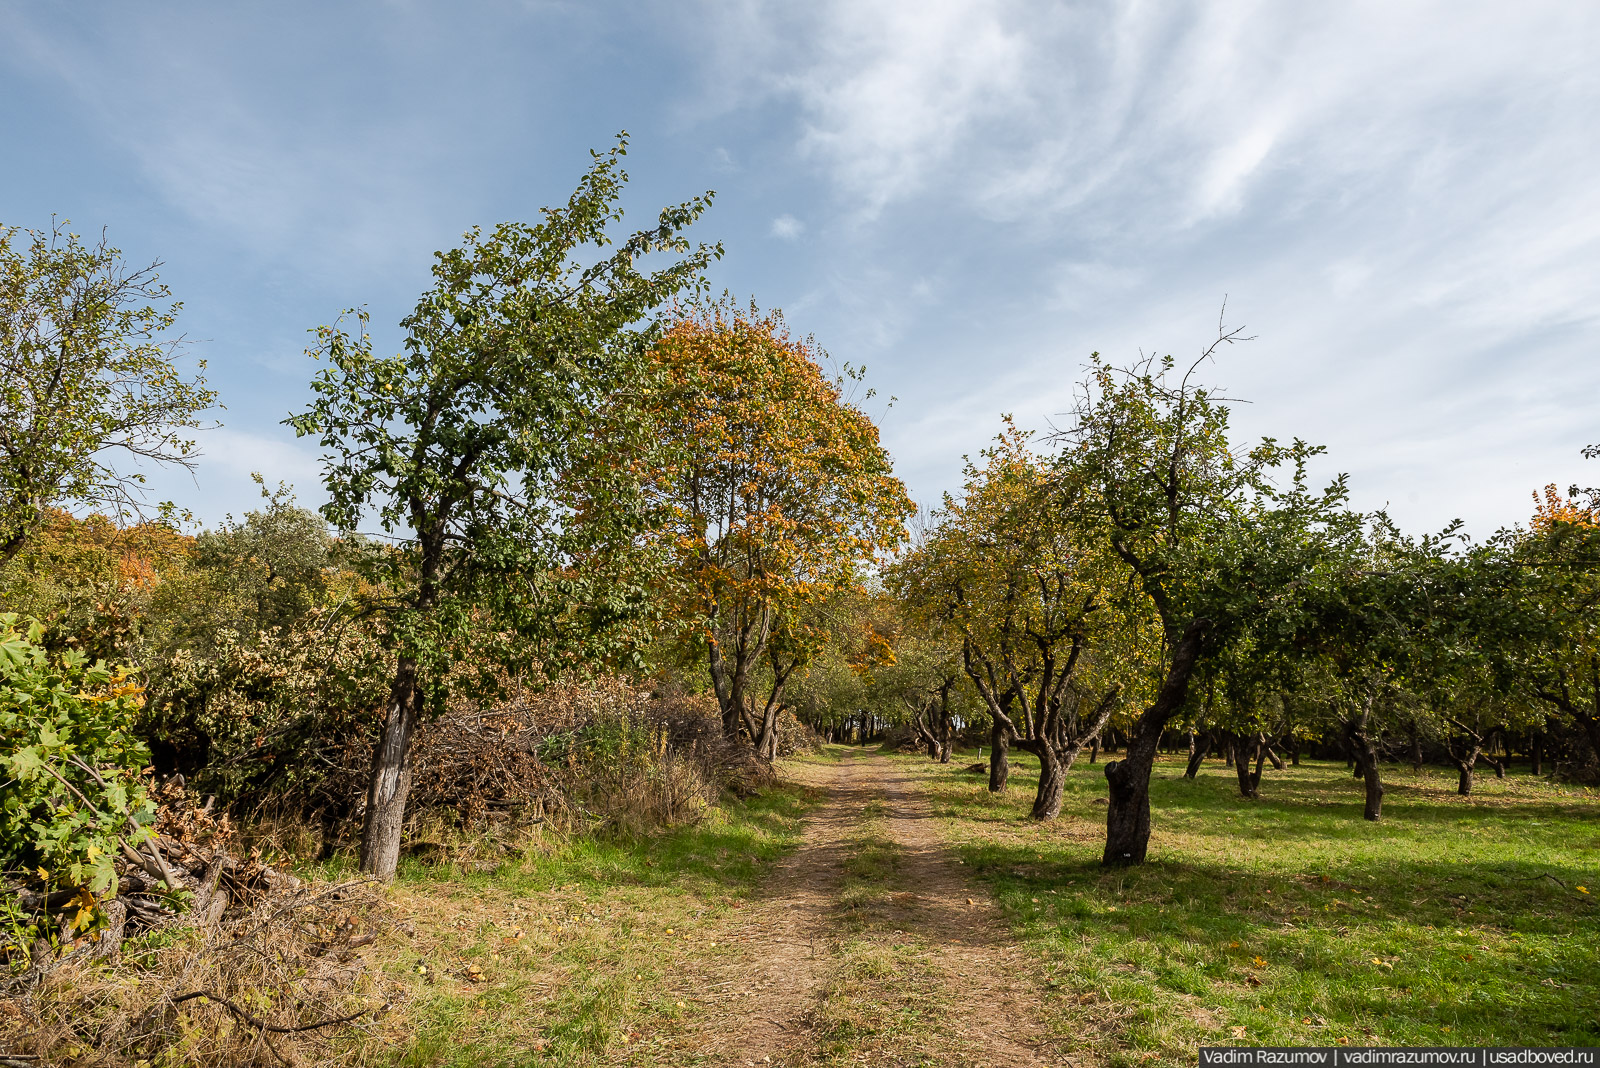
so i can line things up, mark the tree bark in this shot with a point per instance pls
(1249, 781)
(1052, 781)
(1365, 752)
(390, 782)
(1373, 810)
(930, 740)
(1128, 779)
(999, 763)
(946, 728)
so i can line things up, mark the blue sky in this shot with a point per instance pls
(1399, 200)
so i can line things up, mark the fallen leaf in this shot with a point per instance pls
(1238, 1032)
(1252, 980)
(1260, 963)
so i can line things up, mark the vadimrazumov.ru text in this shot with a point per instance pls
(1385, 1056)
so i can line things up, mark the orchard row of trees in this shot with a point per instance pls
(1142, 570)
(579, 462)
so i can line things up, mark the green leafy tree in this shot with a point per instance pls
(270, 569)
(87, 375)
(470, 443)
(1211, 541)
(1034, 608)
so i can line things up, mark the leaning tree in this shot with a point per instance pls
(477, 450)
(1211, 540)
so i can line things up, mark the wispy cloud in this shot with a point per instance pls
(787, 227)
(1398, 196)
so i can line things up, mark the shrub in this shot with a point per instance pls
(72, 790)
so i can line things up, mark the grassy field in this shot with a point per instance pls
(564, 955)
(1290, 920)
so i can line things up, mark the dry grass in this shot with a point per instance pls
(247, 991)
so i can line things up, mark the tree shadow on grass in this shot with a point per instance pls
(1509, 949)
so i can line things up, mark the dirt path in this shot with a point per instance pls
(869, 945)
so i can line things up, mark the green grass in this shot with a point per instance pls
(1291, 920)
(560, 958)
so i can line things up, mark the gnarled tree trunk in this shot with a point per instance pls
(1052, 781)
(1128, 779)
(999, 758)
(1249, 780)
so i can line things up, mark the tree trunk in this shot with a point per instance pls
(1197, 754)
(1277, 761)
(946, 728)
(1464, 781)
(1364, 751)
(1249, 781)
(1052, 781)
(1128, 779)
(1094, 750)
(929, 740)
(1536, 754)
(1416, 749)
(999, 765)
(1374, 783)
(390, 782)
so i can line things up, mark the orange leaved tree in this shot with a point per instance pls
(776, 495)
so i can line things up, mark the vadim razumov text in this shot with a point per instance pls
(1384, 1056)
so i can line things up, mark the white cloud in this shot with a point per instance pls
(235, 455)
(787, 227)
(1399, 198)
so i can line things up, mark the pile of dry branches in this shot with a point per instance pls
(205, 955)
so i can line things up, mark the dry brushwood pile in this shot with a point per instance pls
(606, 754)
(202, 954)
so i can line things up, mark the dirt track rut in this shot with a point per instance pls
(869, 943)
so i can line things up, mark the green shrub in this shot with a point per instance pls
(70, 763)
